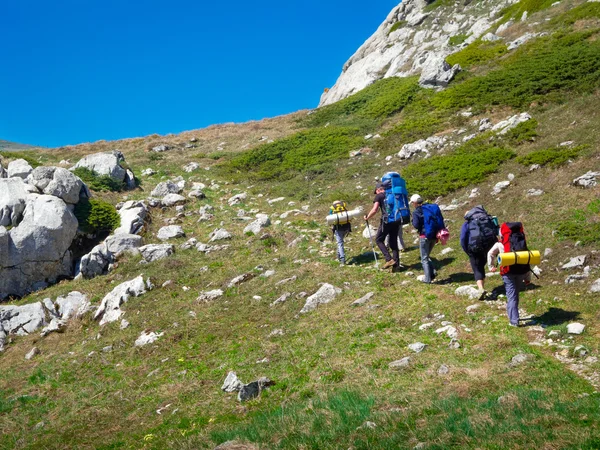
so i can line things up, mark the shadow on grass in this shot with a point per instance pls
(460, 277)
(366, 258)
(557, 316)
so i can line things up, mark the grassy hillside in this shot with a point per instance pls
(90, 387)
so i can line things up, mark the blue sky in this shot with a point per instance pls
(76, 71)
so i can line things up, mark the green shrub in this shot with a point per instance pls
(478, 52)
(554, 157)
(30, 157)
(530, 6)
(582, 224)
(469, 164)
(547, 65)
(413, 128)
(98, 182)
(586, 11)
(153, 156)
(457, 39)
(96, 216)
(305, 151)
(524, 132)
(397, 26)
(375, 102)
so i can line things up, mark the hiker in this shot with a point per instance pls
(340, 230)
(428, 220)
(511, 239)
(477, 236)
(386, 228)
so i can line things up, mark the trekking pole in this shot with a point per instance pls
(372, 246)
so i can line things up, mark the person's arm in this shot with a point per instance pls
(373, 211)
(417, 219)
(493, 255)
(464, 237)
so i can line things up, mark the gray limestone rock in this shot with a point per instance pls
(32, 353)
(154, 252)
(197, 193)
(118, 244)
(58, 182)
(170, 232)
(13, 197)
(19, 168)
(468, 291)
(437, 73)
(165, 187)
(240, 279)
(324, 295)
(237, 199)
(147, 337)
(104, 164)
(575, 262)
(96, 262)
(506, 125)
(262, 221)
(132, 215)
(364, 299)
(219, 235)
(595, 287)
(190, 167)
(253, 389)
(232, 383)
(520, 358)
(208, 296)
(400, 364)
(172, 200)
(110, 307)
(587, 180)
(417, 347)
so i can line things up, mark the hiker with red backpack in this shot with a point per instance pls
(429, 222)
(512, 239)
(477, 237)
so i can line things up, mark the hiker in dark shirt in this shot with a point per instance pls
(385, 229)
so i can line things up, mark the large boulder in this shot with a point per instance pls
(19, 168)
(154, 252)
(132, 215)
(118, 244)
(96, 262)
(37, 250)
(109, 309)
(12, 201)
(58, 182)
(437, 73)
(105, 164)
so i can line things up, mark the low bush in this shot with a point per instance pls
(554, 157)
(98, 182)
(457, 39)
(476, 53)
(582, 224)
(589, 10)
(27, 156)
(548, 65)
(516, 10)
(397, 26)
(524, 132)
(469, 164)
(306, 151)
(96, 216)
(375, 102)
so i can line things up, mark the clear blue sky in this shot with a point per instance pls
(76, 71)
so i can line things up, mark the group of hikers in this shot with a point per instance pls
(481, 237)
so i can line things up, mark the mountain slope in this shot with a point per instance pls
(91, 387)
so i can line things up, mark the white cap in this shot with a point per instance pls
(416, 198)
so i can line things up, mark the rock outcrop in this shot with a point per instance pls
(108, 163)
(413, 40)
(110, 307)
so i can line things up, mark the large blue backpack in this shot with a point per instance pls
(396, 198)
(433, 221)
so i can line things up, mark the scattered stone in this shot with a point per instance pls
(253, 389)
(575, 328)
(209, 295)
(109, 309)
(520, 359)
(170, 232)
(400, 364)
(446, 251)
(32, 353)
(276, 332)
(364, 299)
(124, 324)
(172, 200)
(443, 370)
(436, 72)
(426, 326)
(237, 199)
(505, 125)
(19, 168)
(454, 344)
(197, 194)
(450, 331)
(521, 40)
(595, 287)
(472, 308)
(219, 235)
(240, 279)
(367, 426)
(468, 291)
(534, 167)
(148, 172)
(575, 262)
(190, 167)
(154, 252)
(474, 193)
(534, 192)
(417, 347)
(324, 295)
(147, 338)
(490, 37)
(500, 186)
(547, 252)
(262, 221)
(587, 180)
(190, 243)
(232, 383)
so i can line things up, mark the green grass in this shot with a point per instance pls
(469, 164)
(96, 182)
(567, 63)
(582, 224)
(554, 157)
(582, 12)
(374, 103)
(477, 53)
(309, 150)
(458, 39)
(397, 26)
(29, 156)
(530, 6)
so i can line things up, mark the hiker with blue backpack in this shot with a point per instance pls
(428, 220)
(391, 198)
(477, 236)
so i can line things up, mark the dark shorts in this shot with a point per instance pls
(478, 263)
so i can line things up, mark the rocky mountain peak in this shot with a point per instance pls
(415, 36)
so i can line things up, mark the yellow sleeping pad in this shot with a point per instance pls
(525, 257)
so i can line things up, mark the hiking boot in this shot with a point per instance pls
(516, 325)
(482, 294)
(390, 263)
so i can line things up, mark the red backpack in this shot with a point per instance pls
(513, 239)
